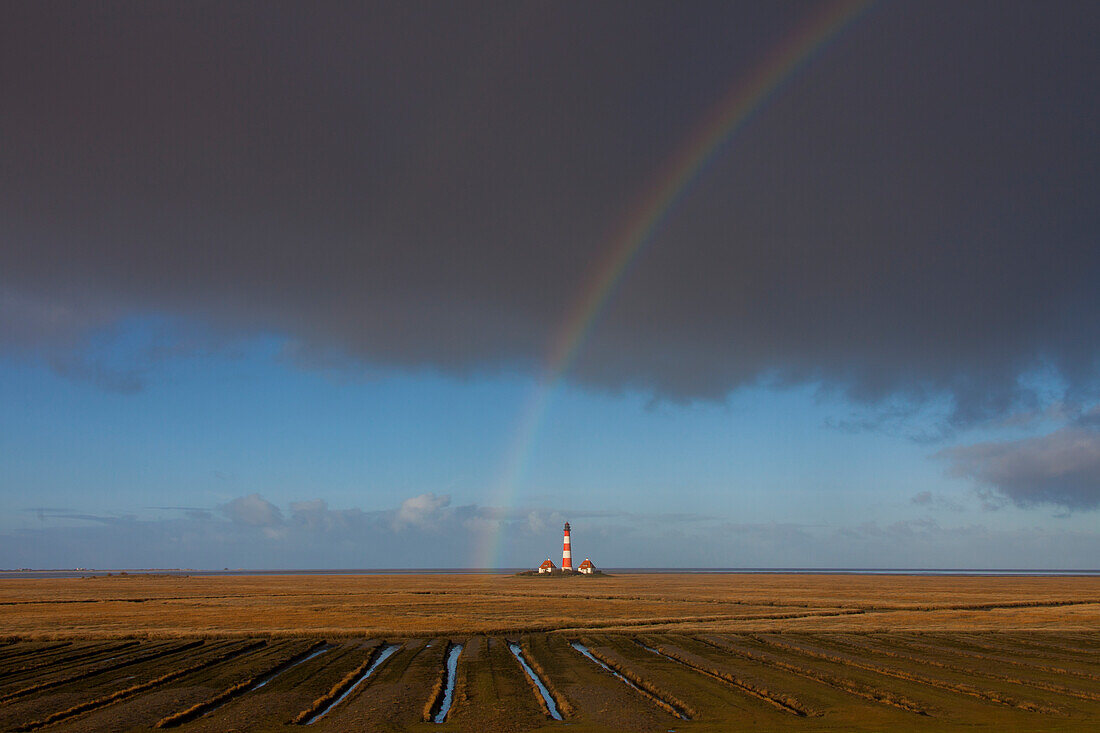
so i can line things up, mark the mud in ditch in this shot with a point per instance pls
(786, 703)
(346, 687)
(636, 683)
(537, 681)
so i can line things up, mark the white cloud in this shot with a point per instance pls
(252, 510)
(425, 510)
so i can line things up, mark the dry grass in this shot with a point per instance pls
(661, 698)
(403, 606)
(794, 681)
(943, 650)
(843, 684)
(786, 703)
(435, 701)
(201, 708)
(564, 708)
(866, 647)
(102, 669)
(138, 688)
(887, 671)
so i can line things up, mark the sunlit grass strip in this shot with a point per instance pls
(62, 659)
(100, 670)
(957, 687)
(867, 649)
(538, 686)
(647, 689)
(353, 679)
(874, 694)
(1031, 647)
(783, 702)
(137, 689)
(442, 698)
(202, 708)
(21, 653)
(562, 703)
(995, 655)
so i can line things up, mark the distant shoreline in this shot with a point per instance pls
(979, 572)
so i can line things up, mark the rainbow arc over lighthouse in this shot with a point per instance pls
(668, 187)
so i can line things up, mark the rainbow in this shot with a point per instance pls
(670, 186)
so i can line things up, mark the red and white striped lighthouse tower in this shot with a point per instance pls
(566, 555)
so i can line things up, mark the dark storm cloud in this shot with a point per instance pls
(414, 184)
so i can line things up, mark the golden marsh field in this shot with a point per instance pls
(630, 652)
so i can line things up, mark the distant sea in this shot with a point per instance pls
(82, 573)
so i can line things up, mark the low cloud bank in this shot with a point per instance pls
(1061, 468)
(427, 531)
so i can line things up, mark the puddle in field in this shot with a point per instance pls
(584, 650)
(546, 696)
(449, 683)
(383, 656)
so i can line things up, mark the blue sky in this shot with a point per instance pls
(704, 479)
(276, 289)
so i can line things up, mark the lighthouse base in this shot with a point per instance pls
(559, 573)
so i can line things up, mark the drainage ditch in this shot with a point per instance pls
(450, 670)
(546, 696)
(382, 656)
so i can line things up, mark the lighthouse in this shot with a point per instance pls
(566, 555)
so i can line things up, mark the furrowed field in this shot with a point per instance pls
(631, 652)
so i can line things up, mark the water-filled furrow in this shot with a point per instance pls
(450, 670)
(382, 656)
(546, 696)
(584, 650)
